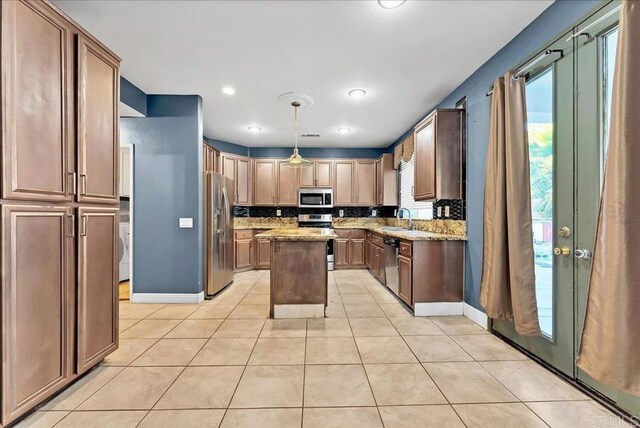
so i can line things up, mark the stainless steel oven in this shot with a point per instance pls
(315, 198)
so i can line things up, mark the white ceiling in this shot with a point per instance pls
(407, 59)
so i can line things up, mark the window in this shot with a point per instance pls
(420, 210)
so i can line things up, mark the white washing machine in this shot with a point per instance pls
(125, 236)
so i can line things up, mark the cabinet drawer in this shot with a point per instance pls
(358, 234)
(405, 249)
(342, 233)
(377, 240)
(244, 234)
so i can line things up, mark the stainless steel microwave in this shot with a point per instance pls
(315, 198)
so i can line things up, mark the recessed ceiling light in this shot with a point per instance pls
(228, 90)
(391, 4)
(344, 130)
(357, 93)
(254, 129)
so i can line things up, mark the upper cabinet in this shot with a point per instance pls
(98, 146)
(264, 182)
(210, 158)
(238, 168)
(288, 178)
(317, 175)
(365, 183)
(386, 181)
(438, 147)
(38, 148)
(344, 177)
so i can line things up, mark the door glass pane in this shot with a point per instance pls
(610, 45)
(540, 130)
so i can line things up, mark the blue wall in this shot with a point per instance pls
(167, 181)
(132, 96)
(547, 27)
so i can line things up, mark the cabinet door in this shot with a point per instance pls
(344, 183)
(98, 98)
(341, 252)
(216, 161)
(425, 157)
(379, 182)
(356, 253)
(263, 254)
(323, 171)
(288, 184)
(37, 103)
(37, 305)
(243, 254)
(98, 251)
(229, 167)
(243, 181)
(406, 279)
(365, 183)
(367, 254)
(264, 182)
(381, 262)
(308, 175)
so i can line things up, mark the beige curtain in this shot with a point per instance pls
(508, 276)
(610, 347)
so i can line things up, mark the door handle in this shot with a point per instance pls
(562, 251)
(582, 253)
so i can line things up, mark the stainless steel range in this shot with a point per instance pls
(319, 221)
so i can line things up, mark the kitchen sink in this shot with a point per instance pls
(393, 228)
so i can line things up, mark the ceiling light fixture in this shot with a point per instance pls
(295, 159)
(254, 129)
(344, 130)
(228, 90)
(391, 4)
(357, 93)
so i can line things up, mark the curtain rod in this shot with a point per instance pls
(596, 22)
(523, 70)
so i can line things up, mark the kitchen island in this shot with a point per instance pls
(299, 275)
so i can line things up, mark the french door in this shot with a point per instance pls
(568, 106)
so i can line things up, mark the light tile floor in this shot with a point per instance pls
(369, 364)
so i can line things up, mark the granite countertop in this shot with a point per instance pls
(444, 234)
(297, 234)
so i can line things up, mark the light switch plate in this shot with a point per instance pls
(446, 211)
(341, 213)
(374, 213)
(439, 211)
(186, 223)
(278, 213)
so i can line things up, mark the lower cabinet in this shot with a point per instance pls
(341, 253)
(405, 279)
(242, 250)
(349, 249)
(262, 256)
(60, 315)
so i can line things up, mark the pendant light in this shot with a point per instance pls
(295, 160)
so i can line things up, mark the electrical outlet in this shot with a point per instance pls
(341, 213)
(395, 213)
(374, 213)
(439, 211)
(185, 223)
(446, 211)
(278, 213)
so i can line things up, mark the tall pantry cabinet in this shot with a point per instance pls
(59, 198)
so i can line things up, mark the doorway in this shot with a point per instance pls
(568, 108)
(125, 288)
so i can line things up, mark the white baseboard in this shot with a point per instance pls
(438, 309)
(167, 297)
(299, 311)
(476, 315)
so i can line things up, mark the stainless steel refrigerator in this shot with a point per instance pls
(218, 230)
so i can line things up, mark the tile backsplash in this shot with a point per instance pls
(456, 209)
(382, 212)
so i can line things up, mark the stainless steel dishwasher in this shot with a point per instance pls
(391, 264)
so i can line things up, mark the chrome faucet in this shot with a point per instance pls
(408, 213)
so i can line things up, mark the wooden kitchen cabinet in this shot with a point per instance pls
(357, 253)
(238, 168)
(405, 279)
(317, 175)
(349, 248)
(211, 159)
(262, 255)
(438, 156)
(37, 117)
(264, 182)
(38, 305)
(365, 183)
(343, 178)
(341, 253)
(288, 184)
(98, 258)
(97, 122)
(386, 182)
(243, 250)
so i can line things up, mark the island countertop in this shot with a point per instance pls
(297, 234)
